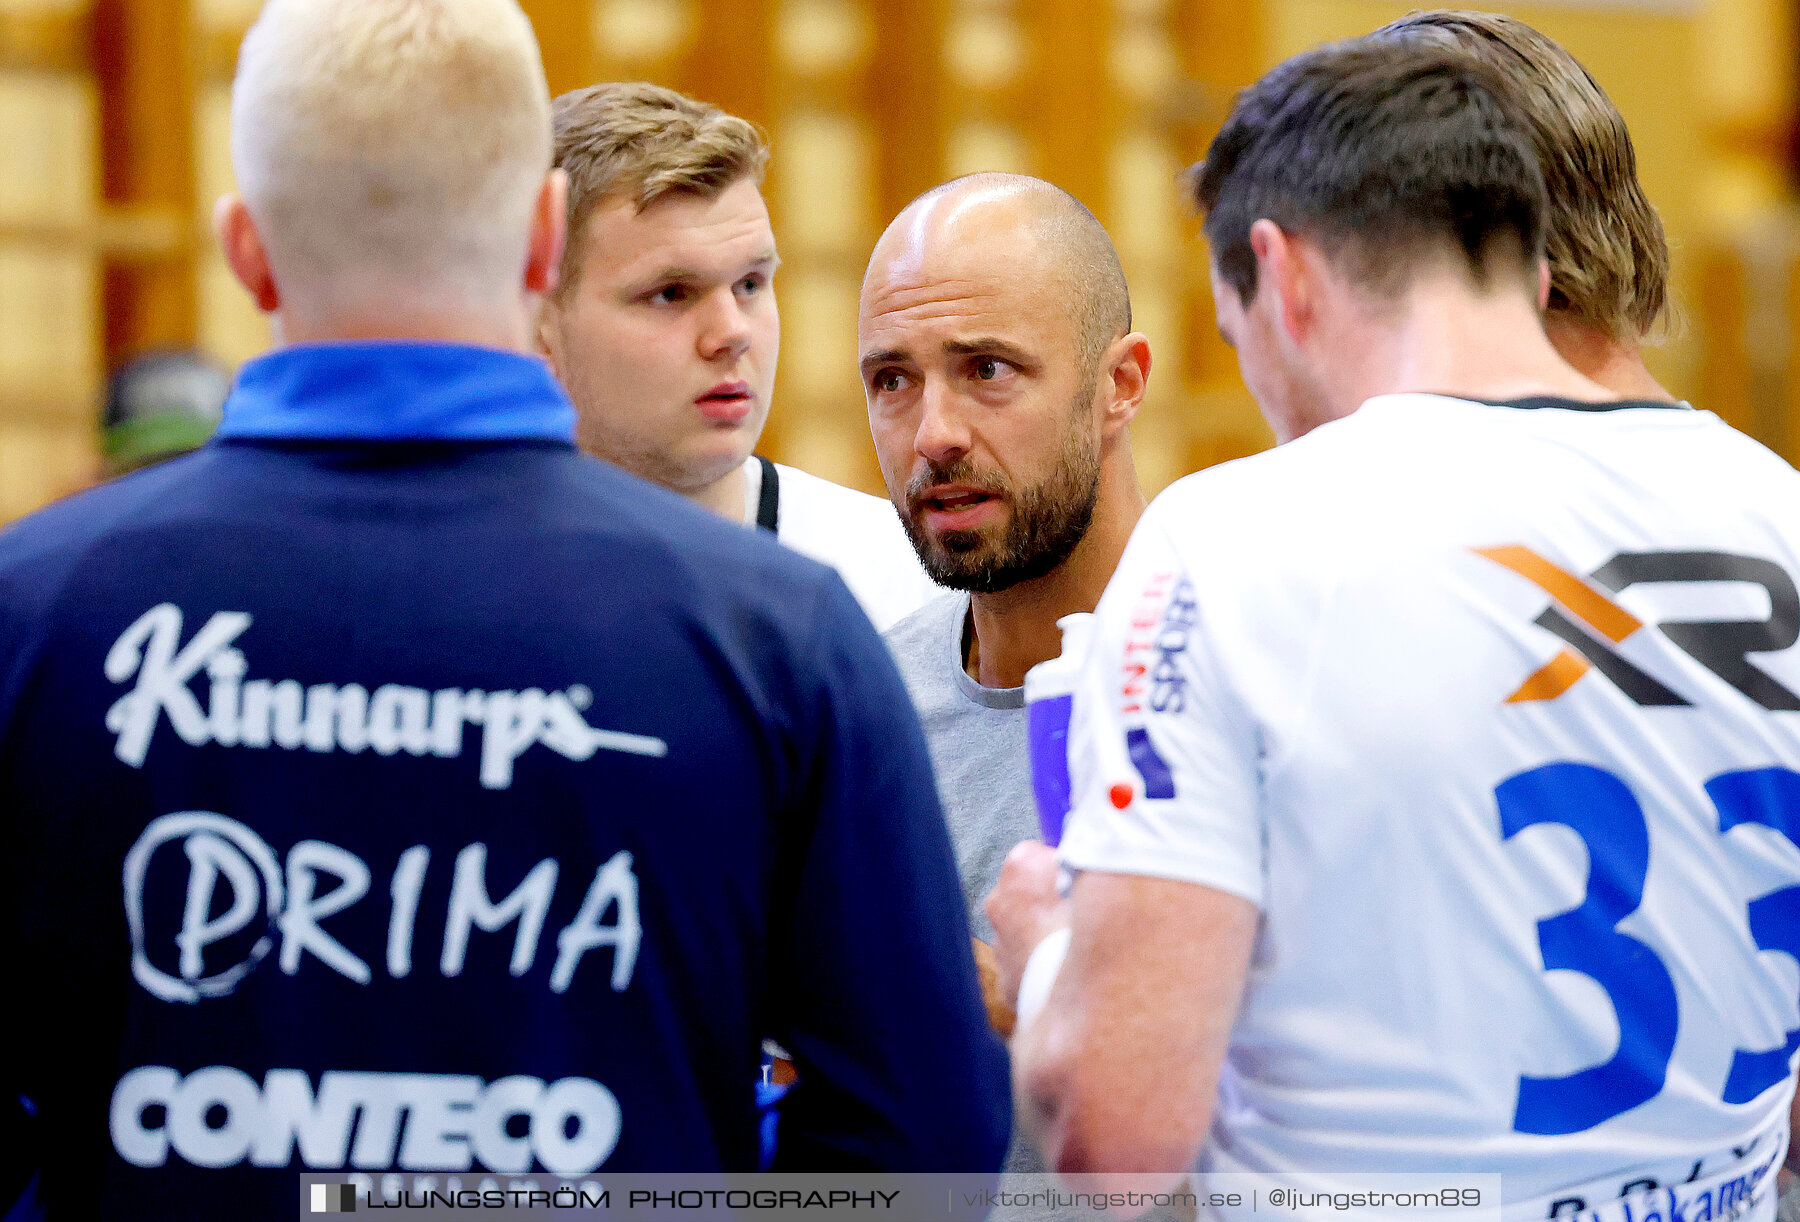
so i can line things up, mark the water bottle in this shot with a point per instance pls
(1049, 700)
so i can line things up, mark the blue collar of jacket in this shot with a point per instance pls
(397, 391)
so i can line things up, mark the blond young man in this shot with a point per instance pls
(1609, 260)
(389, 788)
(665, 330)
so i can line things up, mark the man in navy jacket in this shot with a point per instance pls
(388, 788)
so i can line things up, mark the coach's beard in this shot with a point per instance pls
(1043, 526)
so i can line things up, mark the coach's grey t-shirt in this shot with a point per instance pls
(978, 749)
(977, 740)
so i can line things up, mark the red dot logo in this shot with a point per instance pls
(1121, 795)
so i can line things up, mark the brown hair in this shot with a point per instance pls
(643, 142)
(1609, 260)
(1379, 152)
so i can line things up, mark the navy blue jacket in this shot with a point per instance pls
(387, 786)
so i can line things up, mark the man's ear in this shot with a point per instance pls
(1127, 362)
(245, 253)
(1282, 267)
(549, 225)
(1543, 286)
(546, 335)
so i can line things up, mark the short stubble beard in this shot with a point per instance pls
(1048, 520)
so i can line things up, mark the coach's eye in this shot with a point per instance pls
(669, 294)
(888, 381)
(988, 369)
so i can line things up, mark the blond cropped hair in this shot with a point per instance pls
(641, 142)
(1609, 259)
(392, 148)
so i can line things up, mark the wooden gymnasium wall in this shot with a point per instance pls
(113, 145)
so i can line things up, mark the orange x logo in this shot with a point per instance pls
(1579, 600)
(1584, 615)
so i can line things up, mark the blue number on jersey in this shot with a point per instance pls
(1771, 797)
(1599, 808)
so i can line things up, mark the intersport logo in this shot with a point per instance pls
(263, 713)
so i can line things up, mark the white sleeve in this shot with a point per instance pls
(1163, 757)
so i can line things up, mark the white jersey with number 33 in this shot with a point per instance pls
(1494, 713)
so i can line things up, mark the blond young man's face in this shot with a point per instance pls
(668, 338)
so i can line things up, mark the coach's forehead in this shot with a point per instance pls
(977, 253)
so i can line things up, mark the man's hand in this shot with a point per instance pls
(1024, 908)
(1120, 1071)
